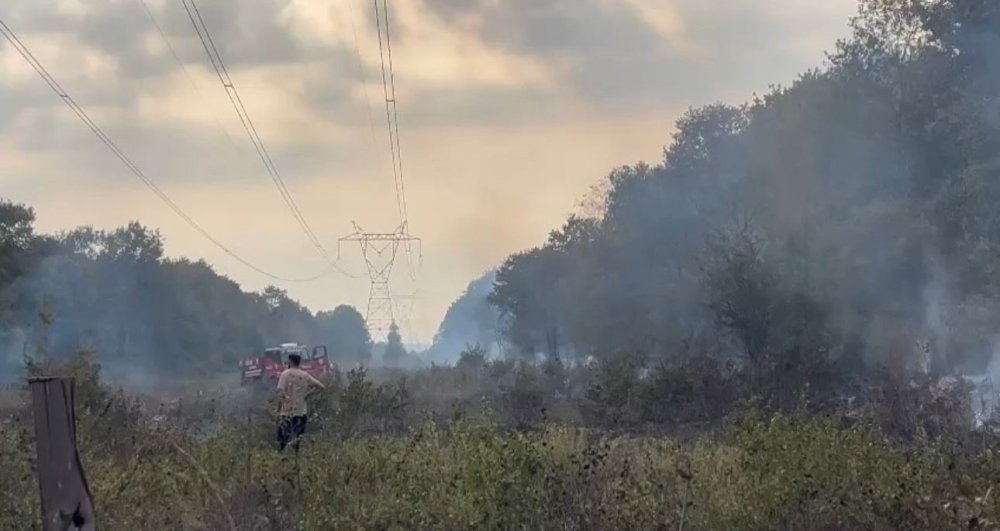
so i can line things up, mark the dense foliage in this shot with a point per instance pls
(470, 320)
(812, 225)
(142, 313)
(394, 351)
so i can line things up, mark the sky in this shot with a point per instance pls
(509, 112)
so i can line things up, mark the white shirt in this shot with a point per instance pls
(294, 385)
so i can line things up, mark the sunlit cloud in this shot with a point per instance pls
(510, 110)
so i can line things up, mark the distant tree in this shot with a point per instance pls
(740, 287)
(707, 141)
(473, 358)
(274, 297)
(470, 320)
(527, 294)
(113, 291)
(134, 242)
(394, 352)
(345, 333)
(16, 238)
(17, 242)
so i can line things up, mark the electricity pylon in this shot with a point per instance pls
(405, 303)
(379, 249)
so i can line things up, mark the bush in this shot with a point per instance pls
(370, 464)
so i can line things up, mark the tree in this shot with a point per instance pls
(133, 242)
(345, 333)
(707, 140)
(527, 293)
(274, 297)
(741, 289)
(16, 239)
(470, 320)
(115, 293)
(874, 179)
(394, 352)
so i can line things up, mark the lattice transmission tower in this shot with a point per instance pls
(405, 304)
(379, 250)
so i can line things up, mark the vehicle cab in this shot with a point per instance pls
(315, 361)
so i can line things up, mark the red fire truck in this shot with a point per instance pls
(269, 366)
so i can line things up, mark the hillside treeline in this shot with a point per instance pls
(143, 314)
(470, 320)
(846, 222)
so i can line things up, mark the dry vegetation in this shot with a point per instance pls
(741, 335)
(504, 454)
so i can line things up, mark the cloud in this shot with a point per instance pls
(456, 62)
(509, 111)
(622, 52)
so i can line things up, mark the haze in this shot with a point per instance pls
(510, 110)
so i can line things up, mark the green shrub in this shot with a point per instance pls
(796, 471)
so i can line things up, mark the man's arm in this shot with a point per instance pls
(315, 383)
(282, 390)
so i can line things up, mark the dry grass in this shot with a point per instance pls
(765, 472)
(789, 473)
(11, 400)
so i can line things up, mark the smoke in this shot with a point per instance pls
(62, 307)
(984, 397)
(870, 187)
(470, 320)
(12, 356)
(935, 300)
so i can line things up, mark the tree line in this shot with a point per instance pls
(848, 220)
(143, 314)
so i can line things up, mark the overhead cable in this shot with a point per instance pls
(25, 53)
(180, 63)
(392, 121)
(265, 157)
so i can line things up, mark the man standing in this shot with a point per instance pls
(294, 386)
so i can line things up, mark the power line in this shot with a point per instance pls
(183, 67)
(392, 120)
(390, 103)
(361, 74)
(380, 249)
(399, 150)
(364, 87)
(205, 36)
(135, 170)
(395, 114)
(220, 69)
(194, 85)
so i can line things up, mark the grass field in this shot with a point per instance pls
(758, 471)
(786, 474)
(10, 400)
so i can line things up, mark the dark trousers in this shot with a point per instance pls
(290, 431)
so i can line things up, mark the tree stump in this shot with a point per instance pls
(65, 496)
